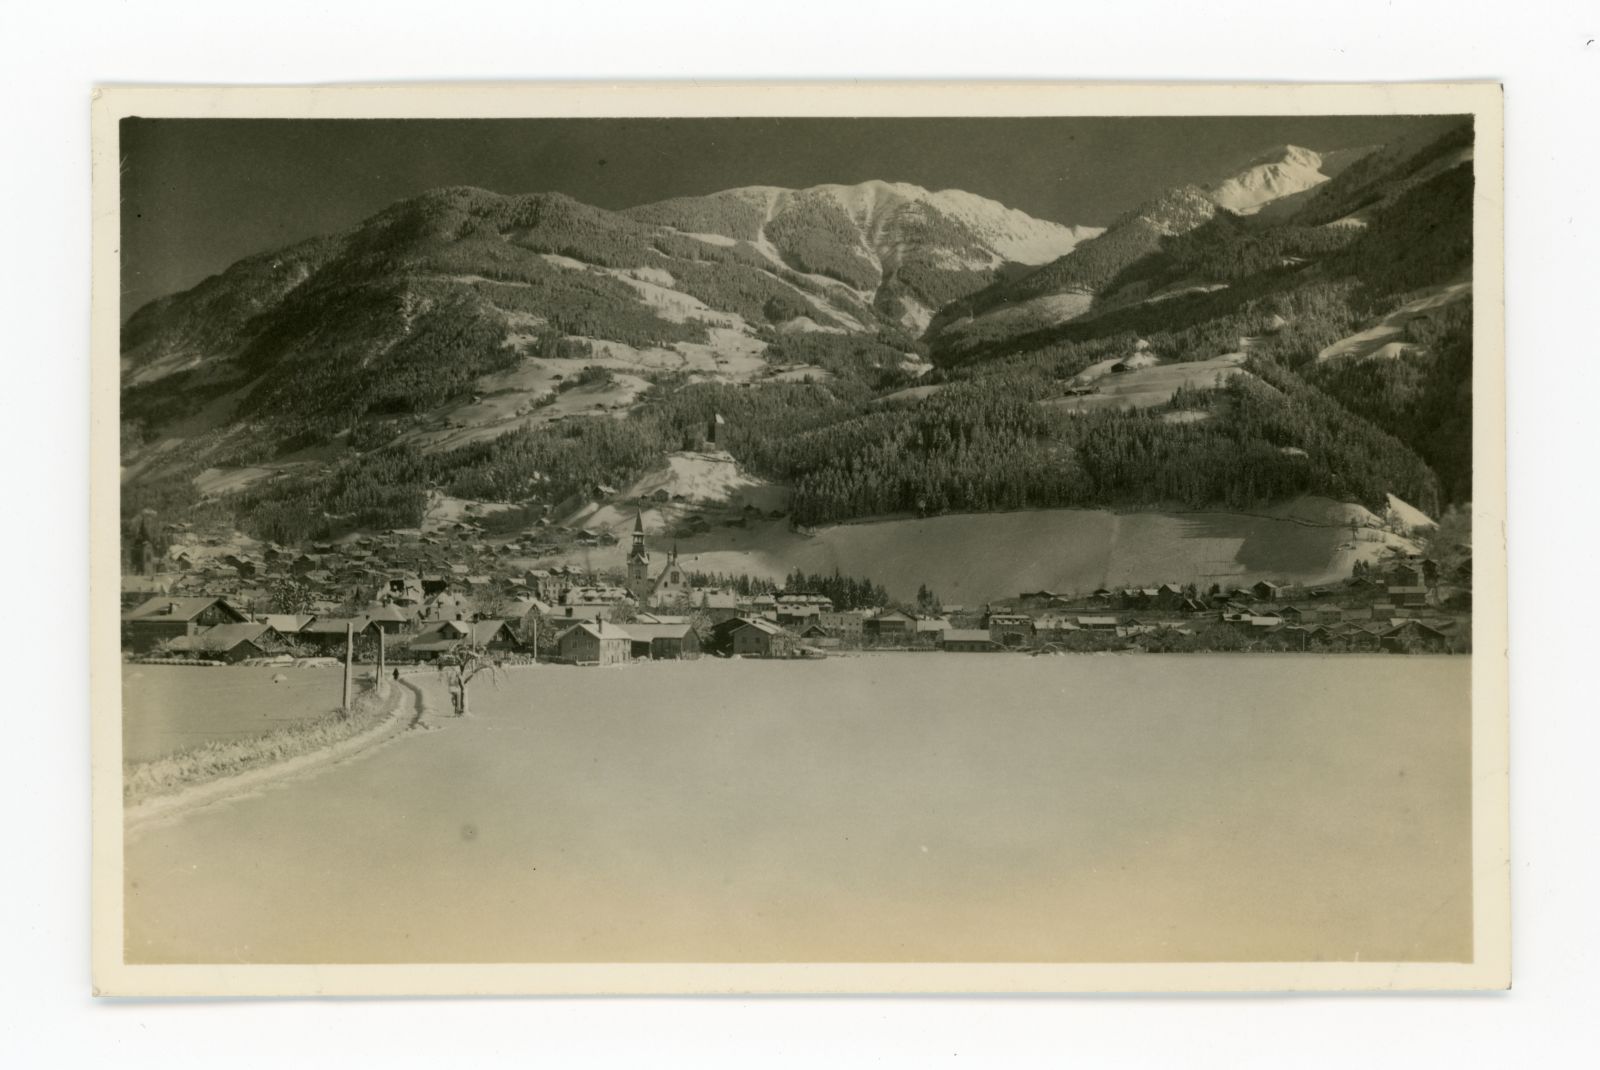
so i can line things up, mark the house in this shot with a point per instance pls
(438, 638)
(391, 620)
(762, 638)
(1097, 624)
(1037, 599)
(931, 627)
(544, 584)
(288, 624)
(447, 607)
(891, 625)
(596, 595)
(231, 643)
(1415, 635)
(1054, 626)
(721, 639)
(138, 589)
(494, 635)
(796, 617)
(1403, 574)
(518, 608)
(163, 617)
(1168, 596)
(847, 626)
(595, 643)
(672, 640)
(405, 590)
(327, 634)
(1266, 591)
(718, 605)
(1410, 597)
(1010, 629)
(969, 641)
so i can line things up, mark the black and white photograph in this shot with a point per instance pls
(883, 543)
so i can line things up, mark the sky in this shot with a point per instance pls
(200, 194)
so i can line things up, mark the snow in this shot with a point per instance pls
(1382, 339)
(1144, 386)
(1012, 234)
(801, 324)
(915, 316)
(1045, 311)
(214, 482)
(1408, 517)
(711, 476)
(1281, 173)
(1353, 221)
(710, 239)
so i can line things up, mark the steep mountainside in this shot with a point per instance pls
(902, 248)
(534, 351)
(1286, 172)
(1194, 241)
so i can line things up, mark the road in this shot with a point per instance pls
(921, 808)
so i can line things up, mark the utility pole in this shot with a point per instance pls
(349, 660)
(383, 681)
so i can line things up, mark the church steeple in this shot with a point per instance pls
(638, 558)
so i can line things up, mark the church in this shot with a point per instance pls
(668, 587)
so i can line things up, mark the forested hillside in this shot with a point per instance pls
(796, 315)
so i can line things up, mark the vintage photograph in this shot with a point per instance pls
(660, 547)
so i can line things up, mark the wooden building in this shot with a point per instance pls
(763, 639)
(164, 618)
(653, 640)
(595, 643)
(969, 641)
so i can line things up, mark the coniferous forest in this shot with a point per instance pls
(339, 346)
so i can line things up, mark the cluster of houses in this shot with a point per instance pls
(1407, 605)
(402, 593)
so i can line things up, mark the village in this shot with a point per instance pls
(409, 597)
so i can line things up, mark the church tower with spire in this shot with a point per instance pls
(639, 561)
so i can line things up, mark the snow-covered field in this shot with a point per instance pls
(1147, 386)
(912, 807)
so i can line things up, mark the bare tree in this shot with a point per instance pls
(460, 667)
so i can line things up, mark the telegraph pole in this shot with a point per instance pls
(383, 681)
(349, 660)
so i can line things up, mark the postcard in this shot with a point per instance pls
(780, 538)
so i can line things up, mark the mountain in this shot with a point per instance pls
(533, 352)
(456, 316)
(1285, 172)
(904, 249)
(1260, 205)
(1065, 288)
